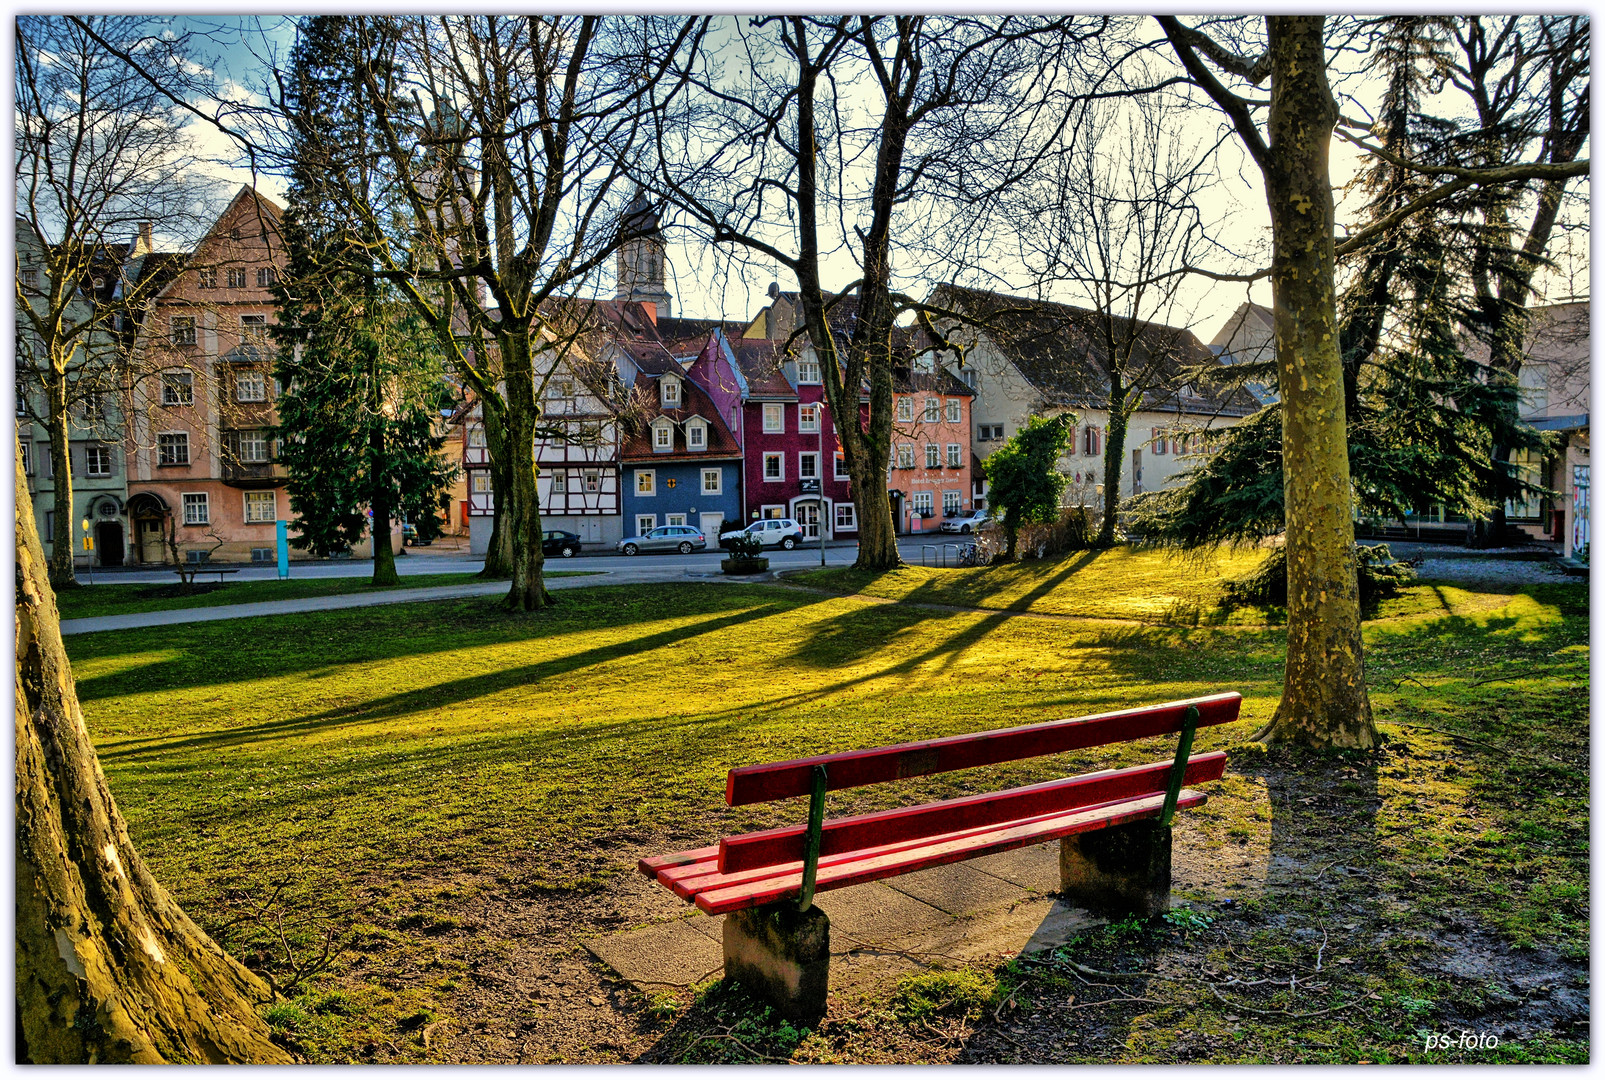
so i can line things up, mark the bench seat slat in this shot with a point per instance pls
(872, 865)
(773, 847)
(651, 866)
(686, 881)
(785, 779)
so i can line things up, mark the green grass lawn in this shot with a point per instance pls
(93, 601)
(386, 787)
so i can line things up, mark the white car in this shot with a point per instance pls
(966, 523)
(774, 532)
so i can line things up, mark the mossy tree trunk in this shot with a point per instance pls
(1324, 701)
(384, 556)
(109, 968)
(62, 573)
(499, 553)
(523, 515)
(1114, 449)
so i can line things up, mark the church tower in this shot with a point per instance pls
(641, 259)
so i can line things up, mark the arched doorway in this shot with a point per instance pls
(147, 513)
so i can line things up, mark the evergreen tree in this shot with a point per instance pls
(1023, 477)
(362, 375)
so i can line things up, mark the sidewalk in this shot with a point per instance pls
(349, 600)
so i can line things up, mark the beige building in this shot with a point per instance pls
(1037, 358)
(1554, 390)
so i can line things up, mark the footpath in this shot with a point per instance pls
(353, 600)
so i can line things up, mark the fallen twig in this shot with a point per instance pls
(1278, 1012)
(1479, 742)
(1321, 950)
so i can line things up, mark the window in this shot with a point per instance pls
(266, 276)
(905, 456)
(250, 386)
(933, 410)
(933, 455)
(30, 277)
(955, 411)
(645, 523)
(207, 278)
(646, 482)
(905, 409)
(1092, 441)
(236, 279)
(991, 432)
(674, 519)
(481, 482)
(924, 503)
(260, 507)
(249, 446)
(774, 417)
(696, 435)
(954, 458)
(560, 483)
(808, 371)
(183, 330)
(253, 327)
(196, 510)
(662, 436)
(172, 449)
(841, 467)
(808, 466)
(670, 389)
(93, 406)
(951, 501)
(178, 388)
(593, 481)
(97, 461)
(774, 467)
(27, 457)
(844, 516)
(712, 481)
(808, 419)
(1157, 440)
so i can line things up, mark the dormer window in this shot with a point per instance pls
(808, 371)
(670, 392)
(662, 437)
(696, 435)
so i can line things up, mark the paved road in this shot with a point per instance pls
(445, 562)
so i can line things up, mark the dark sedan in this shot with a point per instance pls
(558, 542)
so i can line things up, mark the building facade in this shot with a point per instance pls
(930, 476)
(683, 465)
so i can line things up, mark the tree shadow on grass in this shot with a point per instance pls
(435, 695)
(232, 651)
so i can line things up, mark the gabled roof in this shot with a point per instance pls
(760, 361)
(942, 381)
(682, 329)
(1061, 351)
(694, 402)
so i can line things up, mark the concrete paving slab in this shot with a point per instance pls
(670, 954)
(1035, 868)
(864, 914)
(958, 888)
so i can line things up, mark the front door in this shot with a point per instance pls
(808, 516)
(149, 532)
(1136, 472)
(710, 525)
(109, 539)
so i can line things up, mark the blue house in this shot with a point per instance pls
(683, 465)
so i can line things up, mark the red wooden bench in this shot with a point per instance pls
(1114, 824)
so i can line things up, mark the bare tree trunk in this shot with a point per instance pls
(499, 553)
(62, 574)
(523, 514)
(109, 968)
(1114, 449)
(877, 532)
(384, 556)
(1324, 701)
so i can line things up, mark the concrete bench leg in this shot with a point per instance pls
(1121, 870)
(782, 956)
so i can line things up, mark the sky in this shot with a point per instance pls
(710, 283)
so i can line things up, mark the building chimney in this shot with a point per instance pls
(774, 289)
(651, 309)
(144, 247)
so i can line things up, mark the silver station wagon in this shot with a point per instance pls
(681, 538)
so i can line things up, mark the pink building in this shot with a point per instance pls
(931, 460)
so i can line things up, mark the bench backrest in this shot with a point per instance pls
(856, 768)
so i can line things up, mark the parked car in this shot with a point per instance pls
(966, 523)
(681, 538)
(773, 532)
(558, 542)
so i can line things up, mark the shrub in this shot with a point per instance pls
(745, 546)
(1380, 574)
(1073, 530)
(728, 525)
